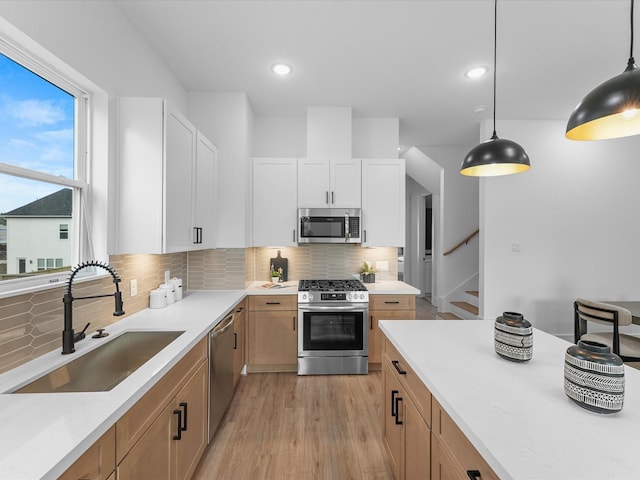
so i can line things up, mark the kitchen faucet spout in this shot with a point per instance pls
(68, 336)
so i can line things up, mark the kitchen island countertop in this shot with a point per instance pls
(517, 415)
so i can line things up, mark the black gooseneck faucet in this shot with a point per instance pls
(68, 336)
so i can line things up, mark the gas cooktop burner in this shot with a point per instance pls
(331, 286)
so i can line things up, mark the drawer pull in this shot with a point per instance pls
(393, 402)
(179, 435)
(184, 417)
(396, 365)
(395, 302)
(398, 400)
(273, 303)
(474, 474)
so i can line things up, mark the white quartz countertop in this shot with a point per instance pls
(389, 287)
(517, 414)
(43, 434)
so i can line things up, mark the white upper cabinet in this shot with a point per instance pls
(275, 213)
(206, 200)
(383, 203)
(164, 187)
(326, 183)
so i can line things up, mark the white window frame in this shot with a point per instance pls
(81, 247)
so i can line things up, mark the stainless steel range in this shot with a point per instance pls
(332, 335)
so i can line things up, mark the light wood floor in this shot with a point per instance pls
(282, 426)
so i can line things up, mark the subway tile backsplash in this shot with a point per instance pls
(31, 324)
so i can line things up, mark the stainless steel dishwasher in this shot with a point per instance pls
(220, 371)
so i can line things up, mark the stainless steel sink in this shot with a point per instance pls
(105, 367)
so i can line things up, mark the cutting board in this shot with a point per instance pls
(280, 262)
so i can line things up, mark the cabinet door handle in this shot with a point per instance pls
(332, 200)
(396, 365)
(294, 235)
(326, 197)
(393, 403)
(183, 427)
(294, 324)
(370, 322)
(235, 341)
(179, 435)
(398, 400)
(365, 236)
(474, 474)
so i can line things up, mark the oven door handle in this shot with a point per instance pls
(360, 307)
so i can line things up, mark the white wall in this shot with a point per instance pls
(280, 137)
(95, 39)
(574, 218)
(414, 248)
(226, 119)
(455, 213)
(375, 137)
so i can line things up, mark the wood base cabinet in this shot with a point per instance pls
(406, 419)
(239, 328)
(453, 455)
(386, 307)
(272, 343)
(164, 434)
(97, 463)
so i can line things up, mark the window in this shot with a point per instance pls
(42, 171)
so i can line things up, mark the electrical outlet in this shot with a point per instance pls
(382, 266)
(134, 287)
(167, 276)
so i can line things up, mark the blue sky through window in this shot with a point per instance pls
(36, 132)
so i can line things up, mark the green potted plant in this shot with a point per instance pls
(367, 272)
(276, 275)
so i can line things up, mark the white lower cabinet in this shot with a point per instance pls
(275, 212)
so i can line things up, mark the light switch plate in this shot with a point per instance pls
(167, 276)
(134, 287)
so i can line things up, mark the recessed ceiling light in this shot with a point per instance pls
(281, 69)
(476, 72)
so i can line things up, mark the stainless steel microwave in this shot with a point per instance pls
(329, 225)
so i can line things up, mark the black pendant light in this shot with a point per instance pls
(612, 109)
(495, 156)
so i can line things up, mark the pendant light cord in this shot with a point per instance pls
(631, 47)
(495, 49)
(631, 64)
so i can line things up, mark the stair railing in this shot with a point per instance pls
(463, 242)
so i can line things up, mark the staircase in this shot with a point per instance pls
(467, 309)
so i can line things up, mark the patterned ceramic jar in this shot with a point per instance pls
(513, 337)
(594, 377)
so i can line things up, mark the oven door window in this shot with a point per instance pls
(333, 331)
(322, 227)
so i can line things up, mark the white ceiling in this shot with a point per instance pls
(393, 58)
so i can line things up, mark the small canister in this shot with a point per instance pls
(158, 298)
(177, 286)
(171, 293)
